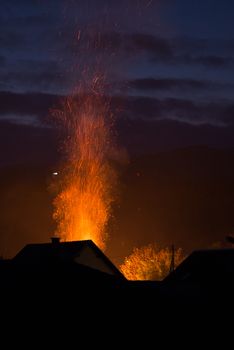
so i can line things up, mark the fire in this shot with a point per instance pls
(150, 262)
(82, 207)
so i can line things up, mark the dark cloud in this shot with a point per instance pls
(207, 61)
(2, 61)
(189, 51)
(217, 113)
(12, 40)
(129, 43)
(34, 75)
(16, 119)
(29, 21)
(142, 137)
(189, 44)
(27, 104)
(33, 80)
(171, 84)
(151, 44)
(188, 111)
(215, 61)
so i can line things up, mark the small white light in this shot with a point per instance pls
(55, 173)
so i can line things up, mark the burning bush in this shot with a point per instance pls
(150, 262)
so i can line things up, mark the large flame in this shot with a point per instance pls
(82, 207)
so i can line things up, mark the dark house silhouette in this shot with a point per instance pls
(203, 275)
(84, 253)
(60, 267)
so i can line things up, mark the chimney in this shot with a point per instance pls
(55, 240)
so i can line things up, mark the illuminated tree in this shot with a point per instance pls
(150, 263)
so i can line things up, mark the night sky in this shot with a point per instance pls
(169, 65)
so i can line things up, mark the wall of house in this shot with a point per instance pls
(89, 258)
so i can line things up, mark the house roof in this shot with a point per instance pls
(60, 252)
(208, 264)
